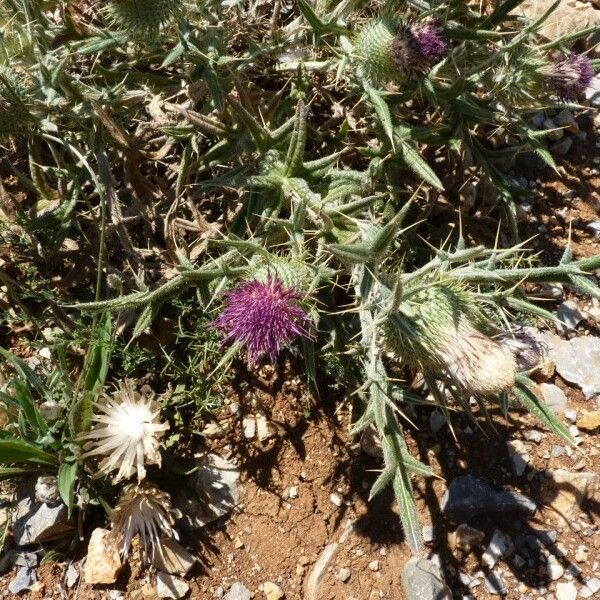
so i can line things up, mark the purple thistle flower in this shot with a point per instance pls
(419, 46)
(262, 316)
(428, 41)
(571, 75)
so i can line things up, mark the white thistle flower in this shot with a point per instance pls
(145, 510)
(127, 433)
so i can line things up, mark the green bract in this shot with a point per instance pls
(372, 51)
(143, 17)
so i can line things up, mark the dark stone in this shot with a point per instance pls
(469, 496)
(495, 584)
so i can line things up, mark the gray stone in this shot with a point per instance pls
(25, 578)
(519, 459)
(469, 496)
(537, 120)
(495, 584)
(571, 415)
(554, 397)
(26, 559)
(46, 490)
(593, 584)
(555, 133)
(436, 421)
(594, 227)
(249, 427)
(72, 576)
(37, 523)
(533, 435)
(264, 429)
(238, 591)
(566, 119)
(210, 492)
(170, 587)
(547, 537)
(422, 580)
(568, 312)
(557, 451)
(592, 92)
(578, 361)
(497, 548)
(562, 147)
(566, 591)
(344, 574)
(428, 533)
(554, 569)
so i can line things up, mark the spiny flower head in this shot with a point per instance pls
(263, 316)
(15, 118)
(143, 17)
(571, 75)
(127, 433)
(145, 510)
(387, 49)
(418, 47)
(438, 333)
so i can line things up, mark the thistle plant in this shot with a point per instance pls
(287, 172)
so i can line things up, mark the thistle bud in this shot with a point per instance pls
(143, 17)
(293, 274)
(436, 331)
(15, 117)
(571, 75)
(388, 50)
(376, 64)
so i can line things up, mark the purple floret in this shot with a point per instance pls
(418, 47)
(428, 41)
(571, 75)
(262, 316)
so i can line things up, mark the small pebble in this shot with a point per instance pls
(344, 575)
(374, 565)
(335, 499)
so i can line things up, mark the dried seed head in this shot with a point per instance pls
(143, 18)
(143, 510)
(127, 433)
(437, 334)
(262, 316)
(571, 75)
